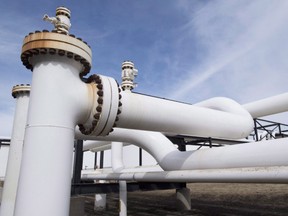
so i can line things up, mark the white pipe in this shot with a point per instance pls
(58, 101)
(90, 145)
(273, 174)
(123, 198)
(257, 154)
(117, 157)
(21, 93)
(268, 106)
(98, 145)
(156, 114)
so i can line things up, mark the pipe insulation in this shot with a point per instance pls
(256, 154)
(268, 106)
(273, 174)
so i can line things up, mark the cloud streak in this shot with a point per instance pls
(229, 33)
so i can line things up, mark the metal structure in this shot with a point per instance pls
(64, 105)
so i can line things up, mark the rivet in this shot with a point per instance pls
(100, 100)
(43, 51)
(97, 116)
(100, 86)
(100, 93)
(77, 57)
(94, 123)
(99, 108)
(69, 54)
(52, 51)
(118, 112)
(61, 52)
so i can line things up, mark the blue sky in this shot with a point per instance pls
(185, 50)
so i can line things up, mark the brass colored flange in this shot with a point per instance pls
(41, 43)
(20, 89)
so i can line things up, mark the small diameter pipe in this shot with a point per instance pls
(21, 93)
(89, 145)
(123, 198)
(268, 106)
(257, 154)
(227, 120)
(273, 174)
(117, 157)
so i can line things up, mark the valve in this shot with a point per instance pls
(128, 75)
(61, 22)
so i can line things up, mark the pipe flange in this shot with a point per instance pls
(95, 115)
(20, 90)
(53, 43)
(105, 108)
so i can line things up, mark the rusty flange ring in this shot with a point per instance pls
(20, 89)
(41, 43)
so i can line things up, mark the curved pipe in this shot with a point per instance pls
(259, 154)
(268, 106)
(227, 120)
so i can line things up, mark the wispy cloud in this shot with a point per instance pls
(232, 33)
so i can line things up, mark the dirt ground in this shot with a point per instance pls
(206, 199)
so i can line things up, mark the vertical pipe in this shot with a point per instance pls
(117, 156)
(101, 159)
(21, 93)
(95, 161)
(140, 156)
(45, 177)
(123, 198)
(78, 161)
(59, 100)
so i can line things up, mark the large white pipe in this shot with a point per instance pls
(257, 154)
(21, 93)
(58, 101)
(268, 106)
(228, 120)
(273, 174)
(49, 137)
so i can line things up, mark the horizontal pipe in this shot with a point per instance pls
(273, 174)
(268, 106)
(227, 120)
(256, 154)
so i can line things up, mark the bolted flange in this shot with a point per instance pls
(52, 43)
(106, 106)
(20, 90)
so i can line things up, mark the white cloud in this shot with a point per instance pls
(241, 40)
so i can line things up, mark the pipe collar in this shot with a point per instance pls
(52, 43)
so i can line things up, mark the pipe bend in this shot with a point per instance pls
(224, 104)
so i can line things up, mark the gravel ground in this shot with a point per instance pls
(206, 199)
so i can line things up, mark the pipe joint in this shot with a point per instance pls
(105, 107)
(54, 43)
(20, 90)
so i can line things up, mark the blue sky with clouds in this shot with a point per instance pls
(186, 50)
